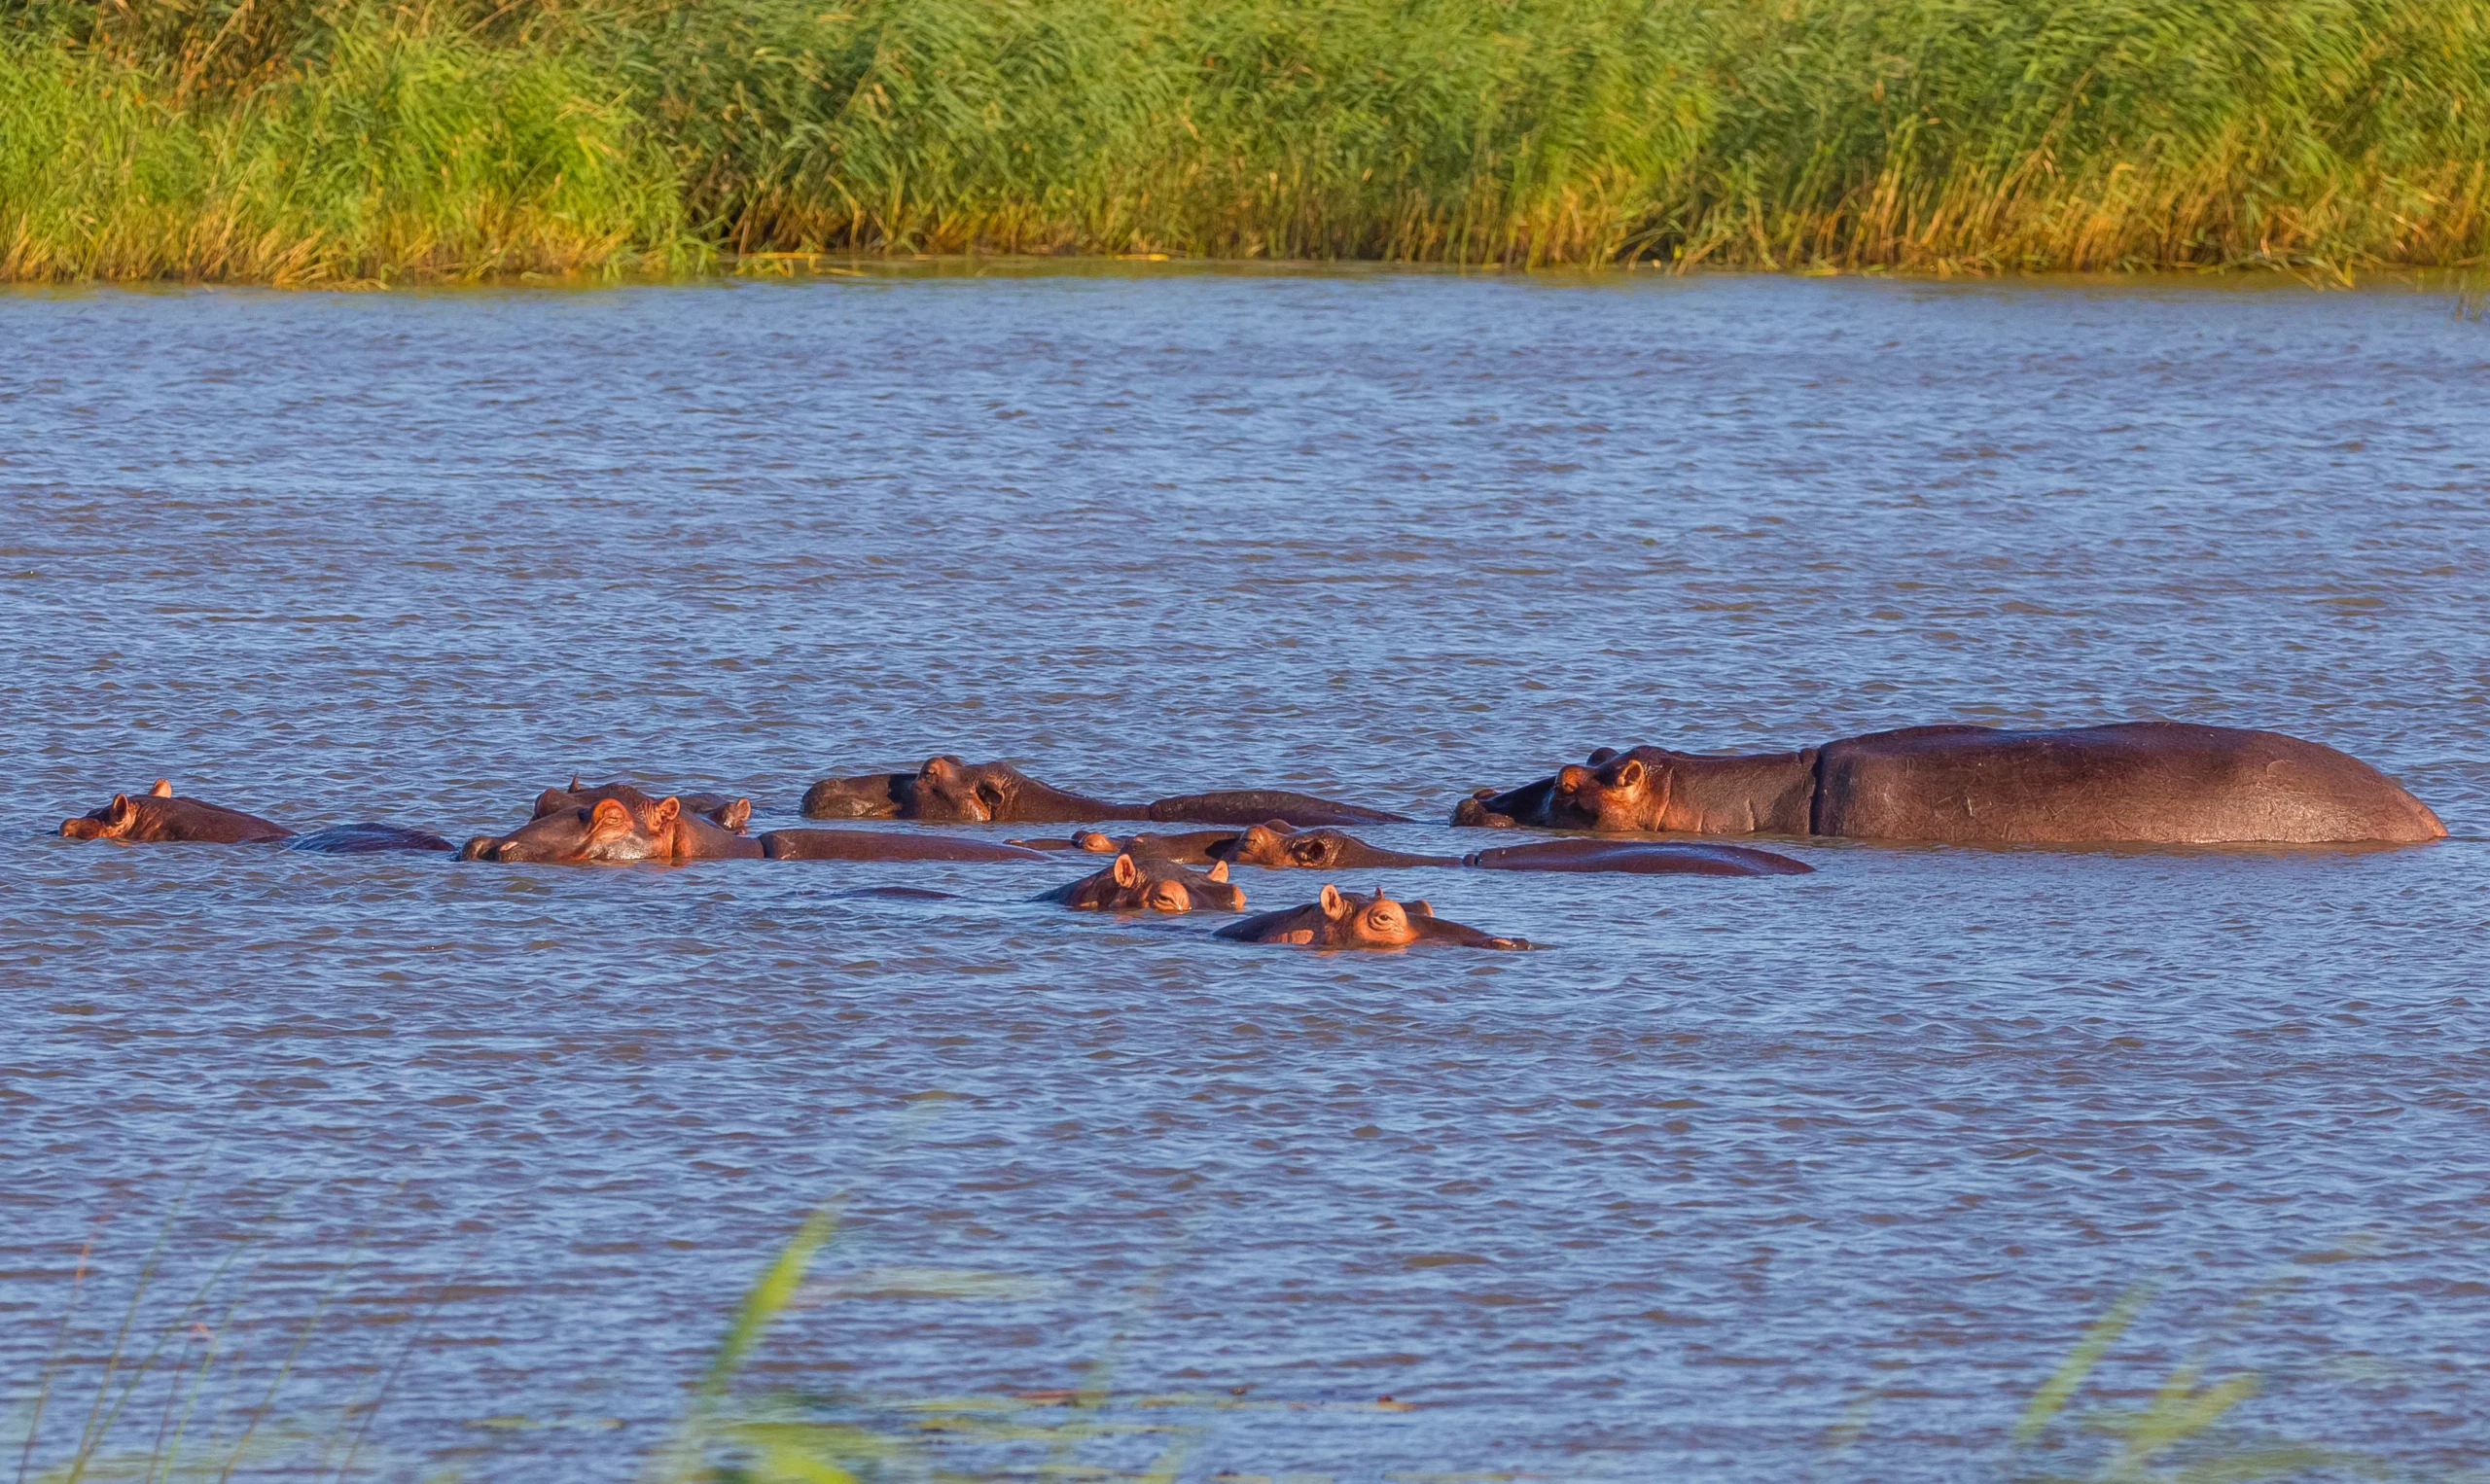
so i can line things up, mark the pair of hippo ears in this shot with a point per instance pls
(1127, 871)
(1334, 904)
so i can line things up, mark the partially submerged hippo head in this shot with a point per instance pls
(1611, 792)
(605, 831)
(158, 817)
(951, 791)
(1279, 846)
(1341, 920)
(1132, 885)
(717, 808)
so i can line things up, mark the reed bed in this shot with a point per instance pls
(301, 140)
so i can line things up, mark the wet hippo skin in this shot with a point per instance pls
(2137, 782)
(1638, 858)
(886, 845)
(947, 790)
(1340, 920)
(369, 840)
(1195, 848)
(1130, 885)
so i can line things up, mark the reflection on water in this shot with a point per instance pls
(1818, 1176)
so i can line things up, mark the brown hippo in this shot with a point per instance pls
(717, 808)
(1338, 921)
(886, 845)
(157, 817)
(615, 830)
(1153, 886)
(2135, 782)
(949, 789)
(1278, 846)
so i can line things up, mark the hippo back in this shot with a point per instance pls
(2139, 782)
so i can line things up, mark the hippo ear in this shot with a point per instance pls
(1126, 872)
(609, 814)
(1421, 909)
(575, 783)
(1630, 773)
(163, 789)
(1333, 906)
(664, 812)
(120, 810)
(940, 767)
(1219, 872)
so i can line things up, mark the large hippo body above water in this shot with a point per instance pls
(2169, 783)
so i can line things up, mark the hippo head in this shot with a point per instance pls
(1612, 793)
(1279, 847)
(949, 791)
(1135, 886)
(113, 822)
(607, 830)
(1368, 922)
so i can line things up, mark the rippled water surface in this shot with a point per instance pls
(1771, 1180)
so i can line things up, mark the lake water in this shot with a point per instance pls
(1816, 1178)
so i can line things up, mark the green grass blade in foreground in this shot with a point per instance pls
(2098, 1337)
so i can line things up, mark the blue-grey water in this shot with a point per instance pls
(1816, 1178)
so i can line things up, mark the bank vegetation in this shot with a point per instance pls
(311, 141)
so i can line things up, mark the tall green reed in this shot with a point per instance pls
(309, 140)
(402, 154)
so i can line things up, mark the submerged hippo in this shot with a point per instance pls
(368, 839)
(1150, 886)
(614, 831)
(949, 789)
(1279, 846)
(1199, 847)
(717, 808)
(2139, 782)
(885, 845)
(158, 817)
(1339, 921)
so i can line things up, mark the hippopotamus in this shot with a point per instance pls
(717, 808)
(1150, 886)
(886, 845)
(949, 791)
(156, 816)
(625, 827)
(2134, 781)
(1341, 921)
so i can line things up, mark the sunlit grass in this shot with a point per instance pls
(171, 1400)
(303, 140)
